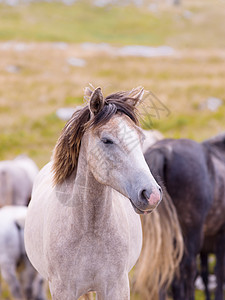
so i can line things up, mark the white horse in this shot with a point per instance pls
(28, 284)
(16, 180)
(82, 233)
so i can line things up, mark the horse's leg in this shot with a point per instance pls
(8, 271)
(183, 285)
(59, 291)
(178, 285)
(162, 294)
(27, 276)
(191, 270)
(205, 273)
(33, 283)
(39, 288)
(220, 259)
(118, 290)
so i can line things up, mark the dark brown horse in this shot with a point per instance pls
(193, 175)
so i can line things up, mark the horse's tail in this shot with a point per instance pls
(6, 189)
(162, 248)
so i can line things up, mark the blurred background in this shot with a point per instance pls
(49, 51)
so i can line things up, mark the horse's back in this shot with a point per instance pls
(183, 167)
(9, 234)
(6, 185)
(9, 214)
(28, 165)
(16, 181)
(181, 156)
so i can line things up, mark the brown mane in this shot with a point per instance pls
(66, 151)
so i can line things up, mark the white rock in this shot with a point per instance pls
(102, 3)
(96, 46)
(12, 69)
(145, 51)
(187, 14)
(65, 113)
(76, 62)
(213, 103)
(153, 7)
(60, 45)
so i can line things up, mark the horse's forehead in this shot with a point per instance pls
(126, 132)
(122, 126)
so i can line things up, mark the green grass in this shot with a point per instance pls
(79, 23)
(199, 295)
(83, 22)
(35, 138)
(185, 125)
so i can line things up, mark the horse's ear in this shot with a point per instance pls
(96, 101)
(136, 95)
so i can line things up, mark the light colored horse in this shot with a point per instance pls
(82, 233)
(16, 180)
(28, 284)
(151, 137)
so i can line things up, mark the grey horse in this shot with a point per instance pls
(16, 180)
(28, 284)
(83, 231)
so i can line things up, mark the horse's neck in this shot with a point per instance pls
(93, 200)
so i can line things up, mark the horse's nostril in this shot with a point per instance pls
(160, 189)
(144, 195)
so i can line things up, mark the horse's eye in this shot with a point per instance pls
(106, 141)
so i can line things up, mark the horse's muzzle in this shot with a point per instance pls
(147, 200)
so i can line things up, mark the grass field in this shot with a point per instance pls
(46, 82)
(36, 78)
(83, 22)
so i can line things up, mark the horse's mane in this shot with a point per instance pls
(66, 151)
(216, 146)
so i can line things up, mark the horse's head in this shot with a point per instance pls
(113, 150)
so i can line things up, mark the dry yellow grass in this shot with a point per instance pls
(46, 82)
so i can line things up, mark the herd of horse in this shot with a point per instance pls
(96, 210)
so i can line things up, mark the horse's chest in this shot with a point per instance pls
(103, 246)
(89, 253)
(87, 250)
(88, 260)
